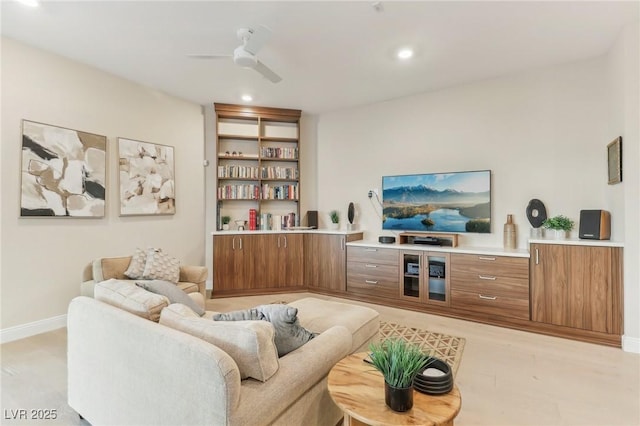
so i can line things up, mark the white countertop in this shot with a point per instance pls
(487, 251)
(287, 231)
(578, 242)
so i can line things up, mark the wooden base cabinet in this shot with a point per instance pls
(245, 264)
(325, 261)
(577, 286)
(372, 271)
(493, 285)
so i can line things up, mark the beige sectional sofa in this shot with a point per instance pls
(192, 278)
(128, 370)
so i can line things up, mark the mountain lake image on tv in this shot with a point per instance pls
(437, 202)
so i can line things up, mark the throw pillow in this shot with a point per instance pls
(161, 266)
(249, 343)
(135, 271)
(174, 293)
(125, 295)
(289, 335)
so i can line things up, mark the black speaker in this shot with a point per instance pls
(595, 225)
(312, 218)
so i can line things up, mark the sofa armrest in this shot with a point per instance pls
(299, 371)
(197, 275)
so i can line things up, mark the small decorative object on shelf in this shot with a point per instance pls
(561, 224)
(399, 362)
(537, 214)
(351, 212)
(509, 237)
(225, 222)
(335, 219)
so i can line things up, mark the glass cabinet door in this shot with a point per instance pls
(436, 277)
(410, 278)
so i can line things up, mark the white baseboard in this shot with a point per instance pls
(631, 344)
(31, 329)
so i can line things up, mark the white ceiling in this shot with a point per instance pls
(331, 55)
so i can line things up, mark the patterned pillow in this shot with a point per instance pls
(135, 271)
(161, 266)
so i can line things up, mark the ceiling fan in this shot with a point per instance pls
(245, 56)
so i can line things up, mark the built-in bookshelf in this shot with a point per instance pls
(258, 151)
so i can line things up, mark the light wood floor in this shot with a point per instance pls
(506, 377)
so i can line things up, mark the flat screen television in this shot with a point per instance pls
(437, 202)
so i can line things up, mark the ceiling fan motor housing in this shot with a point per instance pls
(243, 58)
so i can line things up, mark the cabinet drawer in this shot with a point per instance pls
(372, 255)
(372, 279)
(516, 267)
(490, 284)
(490, 304)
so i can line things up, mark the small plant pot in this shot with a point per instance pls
(225, 227)
(561, 234)
(334, 226)
(398, 399)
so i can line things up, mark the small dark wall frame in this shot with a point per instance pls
(614, 160)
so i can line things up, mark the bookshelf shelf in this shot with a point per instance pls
(258, 154)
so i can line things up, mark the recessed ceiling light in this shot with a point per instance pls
(405, 53)
(247, 98)
(31, 3)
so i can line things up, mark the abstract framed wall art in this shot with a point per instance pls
(63, 172)
(145, 178)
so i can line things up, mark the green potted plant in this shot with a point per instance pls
(399, 362)
(561, 224)
(225, 222)
(335, 219)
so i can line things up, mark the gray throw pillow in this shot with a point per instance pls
(172, 292)
(289, 335)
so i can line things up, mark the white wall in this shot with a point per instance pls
(42, 258)
(542, 133)
(624, 81)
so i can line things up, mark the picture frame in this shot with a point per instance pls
(614, 161)
(146, 178)
(63, 172)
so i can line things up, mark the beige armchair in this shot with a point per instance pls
(192, 278)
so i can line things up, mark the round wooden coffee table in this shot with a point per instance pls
(358, 389)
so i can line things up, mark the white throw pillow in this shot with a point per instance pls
(249, 343)
(161, 266)
(135, 271)
(126, 295)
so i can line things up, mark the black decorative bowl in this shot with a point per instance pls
(435, 379)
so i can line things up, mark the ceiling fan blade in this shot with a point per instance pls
(259, 36)
(207, 56)
(267, 73)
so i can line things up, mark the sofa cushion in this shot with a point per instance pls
(319, 315)
(135, 270)
(289, 335)
(110, 267)
(126, 295)
(161, 266)
(172, 292)
(249, 343)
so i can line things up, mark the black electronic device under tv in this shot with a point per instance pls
(437, 202)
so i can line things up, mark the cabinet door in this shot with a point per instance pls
(291, 260)
(577, 286)
(228, 263)
(411, 276)
(325, 261)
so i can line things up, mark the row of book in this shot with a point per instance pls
(240, 172)
(255, 192)
(269, 222)
(244, 172)
(279, 152)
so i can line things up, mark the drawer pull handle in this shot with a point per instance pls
(368, 265)
(370, 249)
(371, 282)
(487, 297)
(486, 277)
(486, 258)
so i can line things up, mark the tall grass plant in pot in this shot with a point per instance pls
(399, 362)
